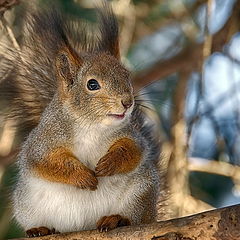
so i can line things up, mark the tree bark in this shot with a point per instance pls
(218, 224)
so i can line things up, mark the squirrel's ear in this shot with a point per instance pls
(67, 66)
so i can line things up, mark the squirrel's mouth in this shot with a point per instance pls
(117, 116)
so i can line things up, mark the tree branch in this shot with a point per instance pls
(217, 224)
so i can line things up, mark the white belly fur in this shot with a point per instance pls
(67, 208)
(90, 147)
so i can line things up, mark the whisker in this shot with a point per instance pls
(147, 107)
(147, 100)
(147, 93)
(138, 66)
(155, 101)
(144, 88)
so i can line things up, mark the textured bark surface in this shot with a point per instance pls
(218, 224)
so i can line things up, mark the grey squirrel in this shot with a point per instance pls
(91, 160)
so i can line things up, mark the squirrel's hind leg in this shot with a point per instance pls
(41, 231)
(108, 223)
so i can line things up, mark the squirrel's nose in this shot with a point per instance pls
(127, 103)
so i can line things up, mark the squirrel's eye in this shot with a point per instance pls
(93, 84)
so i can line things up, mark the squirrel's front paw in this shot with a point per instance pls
(86, 180)
(106, 166)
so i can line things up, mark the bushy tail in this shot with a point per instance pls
(32, 82)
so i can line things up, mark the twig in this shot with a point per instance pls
(7, 138)
(10, 33)
(2, 170)
(207, 46)
(7, 4)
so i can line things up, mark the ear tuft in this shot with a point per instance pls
(109, 40)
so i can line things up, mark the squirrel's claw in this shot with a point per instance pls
(105, 167)
(88, 180)
(41, 231)
(108, 223)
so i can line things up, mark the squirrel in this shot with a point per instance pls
(91, 158)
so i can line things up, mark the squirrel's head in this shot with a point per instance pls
(96, 87)
(94, 84)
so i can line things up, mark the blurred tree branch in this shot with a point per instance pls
(5, 25)
(191, 56)
(7, 4)
(207, 45)
(215, 167)
(176, 14)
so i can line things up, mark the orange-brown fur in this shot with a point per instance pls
(116, 51)
(61, 166)
(122, 157)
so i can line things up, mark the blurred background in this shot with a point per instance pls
(185, 59)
